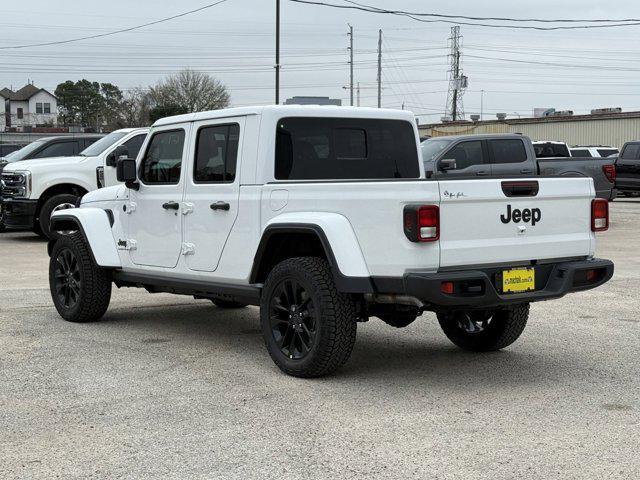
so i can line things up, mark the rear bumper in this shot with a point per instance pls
(18, 213)
(481, 288)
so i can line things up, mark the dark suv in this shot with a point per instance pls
(51, 147)
(7, 148)
(628, 169)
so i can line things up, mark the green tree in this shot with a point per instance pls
(88, 103)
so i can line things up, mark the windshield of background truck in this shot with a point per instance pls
(24, 152)
(432, 148)
(101, 145)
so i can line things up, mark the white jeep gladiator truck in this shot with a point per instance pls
(323, 217)
(33, 189)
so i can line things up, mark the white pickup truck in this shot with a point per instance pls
(323, 217)
(33, 189)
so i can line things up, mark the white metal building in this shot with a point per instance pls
(613, 129)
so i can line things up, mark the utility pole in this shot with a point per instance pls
(358, 93)
(457, 81)
(350, 34)
(380, 68)
(481, 104)
(277, 66)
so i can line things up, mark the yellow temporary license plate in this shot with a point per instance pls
(519, 280)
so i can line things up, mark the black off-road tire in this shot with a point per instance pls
(400, 319)
(504, 327)
(44, 218)
(334, 316)
(228, 304)
(94, 282)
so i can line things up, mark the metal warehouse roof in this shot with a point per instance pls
(529, 120)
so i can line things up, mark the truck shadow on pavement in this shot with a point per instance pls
(419, 354)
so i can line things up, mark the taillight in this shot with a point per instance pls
(422, 223)
(599, 215)
(610, 172)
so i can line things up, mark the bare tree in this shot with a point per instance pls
(191, 90)
(135, 108)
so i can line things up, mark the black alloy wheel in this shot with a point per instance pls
(474, 322)
(484, 331)
(68, 282)
(293, 319)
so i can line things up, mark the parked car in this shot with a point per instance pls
(628, 169)
(551, 149)
(510, 155)
(51, 147)
(323, 217)
(33, 189)
(594, 151)
(7, 148)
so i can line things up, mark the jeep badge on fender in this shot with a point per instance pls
(526, 215)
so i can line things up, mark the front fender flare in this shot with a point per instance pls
(95, 226)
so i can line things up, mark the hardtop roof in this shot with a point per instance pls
(289, 110)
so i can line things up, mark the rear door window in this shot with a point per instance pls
(507, 151)
(466, 154)
(583, 152)
(216, 154)
(345, 149)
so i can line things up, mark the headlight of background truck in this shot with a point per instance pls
(16, 184)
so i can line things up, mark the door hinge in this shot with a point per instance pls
(131, 207)
(187, 208)
(188, 249)
(127, 245)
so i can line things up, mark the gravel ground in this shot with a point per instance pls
(171, 387)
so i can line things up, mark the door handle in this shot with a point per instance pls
(171, 206)
(220, 206)
(526, 170)
(482, 173)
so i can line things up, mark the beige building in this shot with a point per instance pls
(612, 129)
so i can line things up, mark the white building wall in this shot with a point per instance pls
(610, 131)
(40, 119)
(3, 102)
(19, 122)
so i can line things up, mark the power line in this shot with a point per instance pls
(417, 18)
(123, 30)
(504, 19)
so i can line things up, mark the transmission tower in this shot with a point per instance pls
(457, 81)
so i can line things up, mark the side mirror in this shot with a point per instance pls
(447, 164)
(126, 172)
(118, 153)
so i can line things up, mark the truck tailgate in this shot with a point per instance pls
(481, 225)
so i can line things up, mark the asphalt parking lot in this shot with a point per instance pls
(171, 387)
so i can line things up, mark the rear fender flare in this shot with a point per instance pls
(95, 226)
(338, 240)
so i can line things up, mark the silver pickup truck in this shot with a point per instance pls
(512, 156)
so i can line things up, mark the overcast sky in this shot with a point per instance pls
(235, 42)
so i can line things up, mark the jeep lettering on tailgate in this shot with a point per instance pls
(526, 215)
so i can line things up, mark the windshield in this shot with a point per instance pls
(101, 145)
(24, 151)
(431, 148)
